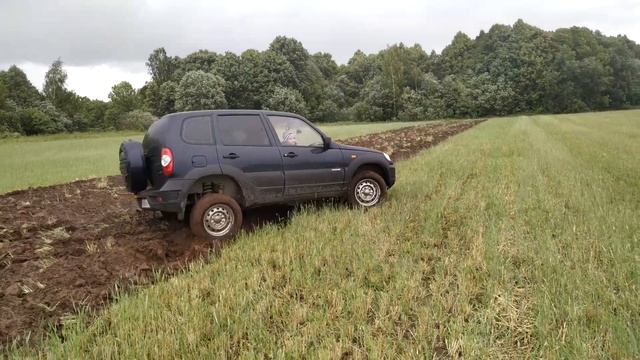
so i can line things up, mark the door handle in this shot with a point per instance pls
(290, 154)
(231, 156)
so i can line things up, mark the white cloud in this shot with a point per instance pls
(95, 81)
(92, 81)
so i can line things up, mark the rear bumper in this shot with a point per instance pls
(168, 198)
(160, 201)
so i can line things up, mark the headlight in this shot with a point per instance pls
(386, 156)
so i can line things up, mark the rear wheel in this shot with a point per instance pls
(366, 189)
(216, 217)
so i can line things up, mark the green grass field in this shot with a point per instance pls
(517, 239)
(47, 160)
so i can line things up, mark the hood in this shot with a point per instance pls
(358, 148)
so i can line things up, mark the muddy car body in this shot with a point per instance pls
(189, 162)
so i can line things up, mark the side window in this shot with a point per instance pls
(242, 130)
(197, 130)
(295, 132)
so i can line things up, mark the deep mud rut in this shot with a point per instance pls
(67, 246)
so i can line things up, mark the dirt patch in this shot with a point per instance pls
(406, 142)
(66, 247)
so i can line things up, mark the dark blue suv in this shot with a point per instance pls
(213, 164)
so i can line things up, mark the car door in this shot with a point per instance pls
(310, 170)
(247, 154)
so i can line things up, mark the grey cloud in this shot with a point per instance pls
(124, 31)
(81, 32)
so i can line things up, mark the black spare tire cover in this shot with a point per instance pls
(132, 166)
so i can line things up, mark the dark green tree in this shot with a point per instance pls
(137, 120)
(43, 118)
(55, 79)
(325, 63)
(199, 90)
(289, 100)
(20, 90)
(161, 67)
(124, 97)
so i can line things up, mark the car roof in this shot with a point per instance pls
(232, 111)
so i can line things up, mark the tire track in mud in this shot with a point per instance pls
(67, 246)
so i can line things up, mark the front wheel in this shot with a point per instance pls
(216, 217)
(366, 189)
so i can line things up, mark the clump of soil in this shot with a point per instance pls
(67, 246)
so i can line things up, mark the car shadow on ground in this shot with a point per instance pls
(256, 218)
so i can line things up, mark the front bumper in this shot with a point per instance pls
(391, 176)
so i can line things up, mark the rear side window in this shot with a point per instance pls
(197, 130)
(242, 130)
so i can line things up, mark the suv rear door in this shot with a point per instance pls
(247, 154)
(310, 170)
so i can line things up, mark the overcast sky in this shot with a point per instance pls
(102, 42)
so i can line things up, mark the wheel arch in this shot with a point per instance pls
(218, 183)
(375, 167)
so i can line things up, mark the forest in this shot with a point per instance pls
(509, 69)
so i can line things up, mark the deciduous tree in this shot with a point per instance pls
(199, 90)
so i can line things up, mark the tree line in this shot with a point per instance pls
(507, 70)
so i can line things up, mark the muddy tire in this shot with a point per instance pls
(132, 166)
(366, 189)
(216, 217)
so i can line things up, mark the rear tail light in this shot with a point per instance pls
(166, 160)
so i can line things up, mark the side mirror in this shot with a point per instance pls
(327, 142)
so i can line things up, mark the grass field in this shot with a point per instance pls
(518, 238)
(47, 160)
